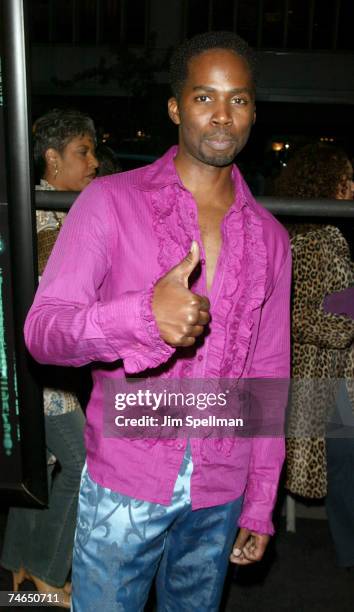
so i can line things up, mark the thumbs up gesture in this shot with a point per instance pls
(180, 314)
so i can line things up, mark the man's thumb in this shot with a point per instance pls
(188, 264)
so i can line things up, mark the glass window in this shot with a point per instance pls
(298, 24)
(346, 21)
(197, 17)
(273, 23)
(323, 24)
(135, 22)
(39, 21)
(223, 14)
(85, 21)
(61, 21)
(247, 20)
(109, 16)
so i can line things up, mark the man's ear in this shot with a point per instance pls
(173, 111)
(254, 116)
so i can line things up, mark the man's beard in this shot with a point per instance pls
(219, 161)
(220, 158)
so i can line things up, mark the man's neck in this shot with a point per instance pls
(204, 180)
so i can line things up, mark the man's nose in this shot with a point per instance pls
(222, 114)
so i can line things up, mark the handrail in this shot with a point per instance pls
(292, 207)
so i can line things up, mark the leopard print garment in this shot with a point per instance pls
(322, 351)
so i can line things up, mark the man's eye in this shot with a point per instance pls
(203, 98)
(239, 101)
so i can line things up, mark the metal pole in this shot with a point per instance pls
(22, 233)
(210, 15)
(285, 23)
(336, 24)
(289, 207)
(311, 23)
(260, 24)
(235, 16)
(298, 207)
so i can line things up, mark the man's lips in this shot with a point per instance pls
(220, 144)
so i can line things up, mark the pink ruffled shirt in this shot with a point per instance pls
(94, 305)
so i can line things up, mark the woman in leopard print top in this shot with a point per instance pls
(322, 345)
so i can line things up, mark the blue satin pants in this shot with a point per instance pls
(122, 544)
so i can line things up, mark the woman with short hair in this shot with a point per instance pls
(38, 543)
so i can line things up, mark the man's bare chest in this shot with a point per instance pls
(210, 221)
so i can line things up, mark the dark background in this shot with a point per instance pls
(110, 59)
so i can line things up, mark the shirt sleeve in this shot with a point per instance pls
(340, 303)
(68, 324)
(271, 361)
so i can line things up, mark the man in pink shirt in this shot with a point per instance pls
(172, 269)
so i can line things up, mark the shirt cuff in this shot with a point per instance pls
(258, 506)
(261, 527)
(129, 325)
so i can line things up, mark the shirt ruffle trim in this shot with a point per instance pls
(252, 256)
(233, 320)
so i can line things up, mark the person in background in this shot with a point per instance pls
(38, 543)
(321, 463)
(108, 160)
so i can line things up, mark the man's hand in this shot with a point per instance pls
(180, 314)
(249, 547)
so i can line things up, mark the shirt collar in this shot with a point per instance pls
(45, 186)
(160, 173)
(163, 172)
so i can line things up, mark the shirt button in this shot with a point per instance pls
(202, 261)
(192, 215)
(200, 357)
(179, 445)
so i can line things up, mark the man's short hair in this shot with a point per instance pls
(206, 42)
(55, 130)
